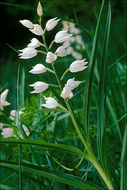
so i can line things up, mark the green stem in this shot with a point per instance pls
(50, 70)
(64, 74)
(42, 52)
(50, 46)
(54, 85)
(56, 75)
(43, 36)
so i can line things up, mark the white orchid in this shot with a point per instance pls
(34, 43)
(72, 84)
(61, 52)
(3, 101)
(27, 53)
(38, 69)
(51, 103)
(27, 23)
(51, 23)
(50, 57)
(7, 132)
(78, 65)
(66, 93)
(62, 36)
(15, 113)
(37, 30)
(39, 87)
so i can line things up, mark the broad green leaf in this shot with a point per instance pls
(52, 174)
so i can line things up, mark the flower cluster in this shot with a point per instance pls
(75, 45)
(50, 57)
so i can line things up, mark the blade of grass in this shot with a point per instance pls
(87, 92)
(102, 91)
(56, 175)
(59, 147)
(123, 171)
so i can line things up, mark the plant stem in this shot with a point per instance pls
(42, 52)
(64, 74)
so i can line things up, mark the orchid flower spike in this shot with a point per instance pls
(39, 9)
(37, 30)
(50, 57)
(61, 52)
(34, 43)
(62, 36)
(51, 23)
(51, 103)
(78, 65)
(3, 101)
(38, 69)
(27, 23)
(39, 87)
(27, 53)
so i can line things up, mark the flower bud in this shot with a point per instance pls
(51, 23)
(27, 23)
(3, 101)
(78, 65)
(27, 53)
(51, 103)
(38, 69)
(39, 87)
(34, 43)
(50, 57)
(39, 9)
(37, 30)
(61, 52)
(62, 36)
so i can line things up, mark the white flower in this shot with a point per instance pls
(78, 65)
(38, 69)
(3, 101)
(27, 53)
(7, 132)
(37, 30)
(50, 57)
(39, 9)
(51, 23)
(34, 43)
(62, 36)
(50, 103)
(66, 92)
(72, 84)
(27, 23)
(61, 52)
(15, 113)
(39, 87)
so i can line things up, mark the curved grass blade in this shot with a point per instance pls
(87, 92)
(102, 90)
(123, 172)
(52, 174)
(60, 147)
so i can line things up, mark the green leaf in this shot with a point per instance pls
(50, 173)
(102, 88)
(59, 147)
(123, 171)
(87, 92)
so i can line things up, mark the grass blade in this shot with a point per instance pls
(123, 171)
(102, 89)
(91, 70)
(48, 173)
